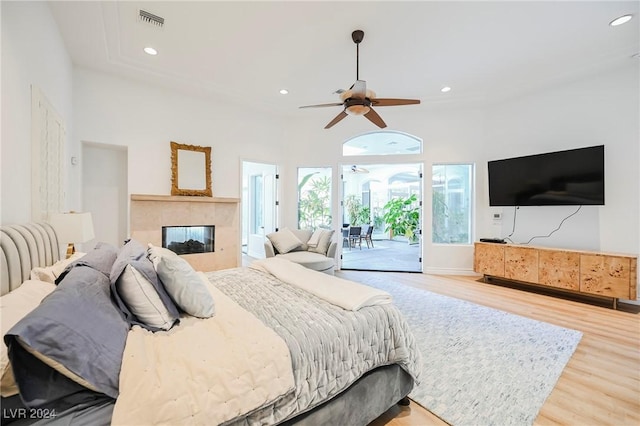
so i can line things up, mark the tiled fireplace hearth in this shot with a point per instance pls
(151, 213)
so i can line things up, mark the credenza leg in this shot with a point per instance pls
(615, 303)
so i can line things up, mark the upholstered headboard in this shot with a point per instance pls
(24, 247)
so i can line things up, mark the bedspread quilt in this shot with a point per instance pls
(330, 347)
(203, 372)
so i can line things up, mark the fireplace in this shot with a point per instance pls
(189, 239)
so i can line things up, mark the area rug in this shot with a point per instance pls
(481, 366)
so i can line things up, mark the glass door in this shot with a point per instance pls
(382, 217)
(259, 214)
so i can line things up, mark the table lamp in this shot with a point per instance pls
(73, 228)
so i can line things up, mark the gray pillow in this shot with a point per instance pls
(78, 327)
(323, 243)
(101, 258)
(182, 282)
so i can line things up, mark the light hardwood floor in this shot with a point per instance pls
(601, 383)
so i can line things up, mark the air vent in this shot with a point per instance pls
(150, 18)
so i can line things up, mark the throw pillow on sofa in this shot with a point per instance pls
(315, 238)
(284, 240)
(323, 242)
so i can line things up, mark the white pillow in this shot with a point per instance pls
(315, 238)
(323, 243)
(284, 240)
(182, 282)
(51, 273)
(155, 252)
(13, 307)
(143, 300)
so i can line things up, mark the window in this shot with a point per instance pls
(451, 203)
(314, 198)
(257, 203)
(385, 142)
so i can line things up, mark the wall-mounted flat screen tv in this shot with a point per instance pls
(562, 178)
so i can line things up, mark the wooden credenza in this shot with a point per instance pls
(593, 273)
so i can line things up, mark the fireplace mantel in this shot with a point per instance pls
(182, 198)
(149, 213)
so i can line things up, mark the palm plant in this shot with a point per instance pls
(314, 207)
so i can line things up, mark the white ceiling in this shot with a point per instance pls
(248, 51)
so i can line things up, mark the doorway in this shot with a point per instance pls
(259, 206)
(382, 217)
(105, 192)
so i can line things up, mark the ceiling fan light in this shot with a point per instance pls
(357, 109)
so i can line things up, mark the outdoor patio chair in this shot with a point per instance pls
(355, 237)
(367, 236)
(345, 235)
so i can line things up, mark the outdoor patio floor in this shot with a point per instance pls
(386, 255)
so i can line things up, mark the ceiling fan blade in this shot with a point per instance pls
(336, 119)
(322, 105)
(373, 117)
(391, 102)
(359, 89)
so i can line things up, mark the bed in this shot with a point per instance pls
(279, 345)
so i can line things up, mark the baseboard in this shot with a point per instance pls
(450, 271)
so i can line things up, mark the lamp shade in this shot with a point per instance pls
(73, 227)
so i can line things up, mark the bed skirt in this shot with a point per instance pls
(363, 402)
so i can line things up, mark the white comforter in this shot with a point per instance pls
(347, 294)
(203, 371)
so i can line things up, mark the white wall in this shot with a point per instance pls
(146, 119)
(32, 53)
(601, 110)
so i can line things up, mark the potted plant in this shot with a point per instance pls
(353, 206)
(402, 217)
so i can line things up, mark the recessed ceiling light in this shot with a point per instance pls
(445, 89)
(150, 51)
(621, 20)
(284, 91)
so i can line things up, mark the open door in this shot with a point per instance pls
(259, 213)
(386, 200)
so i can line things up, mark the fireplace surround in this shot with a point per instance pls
(150, 213)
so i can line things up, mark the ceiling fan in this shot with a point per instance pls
(356, 169)
(357, 100)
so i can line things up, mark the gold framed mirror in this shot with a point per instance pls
(190, 170)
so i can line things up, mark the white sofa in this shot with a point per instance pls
(293, 244)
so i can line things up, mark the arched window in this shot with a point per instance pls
(386, 142)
